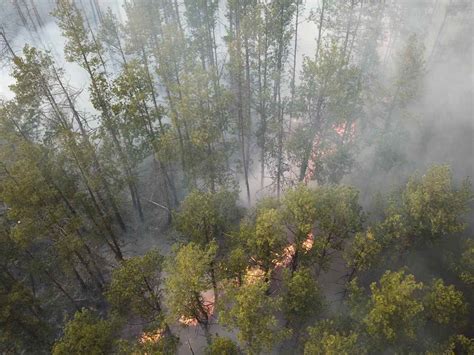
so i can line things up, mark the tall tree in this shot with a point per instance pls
(251, 311)
(85, 333)
(188, 278)
(87, 52)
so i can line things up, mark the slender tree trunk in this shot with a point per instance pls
(79, 278)
(107, 121)
(263, 86)
(249, 116)
(85, 138)
(293, 70)
(30, 17)
(85, 264)
(320, 29)
(109, 126)
(440, 32)
(348, 29)
(56, 283)
(240, 101)
(356, 30)
(20, 13)
(278, 107)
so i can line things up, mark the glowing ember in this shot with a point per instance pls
(253, 274)
(286, 257)
(188, 322)
(340, 129)
(312, 161)
(288, 254)
(344, 130)
(309, 241)
(208, 300)
(151, 337)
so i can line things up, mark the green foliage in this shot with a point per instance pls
(154, 341)
(132, 98)
(86, 333)
(300, 211)
(201, 17)
(364, 251)
(410, 70)
(394, 309)
(110, 31)
(465, 265)
(222, 346)
(234, 264)
(164, 91)
(204, 155)
(250, 310)
(325, 338)
(339, 216)
(269, 239)
(338, 210)
(429, 208)
(34, 203)
(134, 287)
(203, 216)
(21, 320)
(303, 298)
(434, 204)
(331, 213)
(445, 305)
(459, 344)
(357, 300)
(400, 310)
(328, 101)
(188, 275)
(71, 22)
(334, 210)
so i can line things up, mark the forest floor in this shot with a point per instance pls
(156, 233)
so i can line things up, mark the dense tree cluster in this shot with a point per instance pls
(201, 110)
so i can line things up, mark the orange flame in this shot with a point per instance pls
(308, 242)
(344, 130)
(288, 254)
(208, 300)
(151, 337)
(253, 274)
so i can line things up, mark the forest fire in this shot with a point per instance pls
(312, 161)
(288, 254)
(253, 274)
(152, 337)
(188, 322)
(222, 176)
(208, 302)
(345, 131)
(308, 242)
(286, 258)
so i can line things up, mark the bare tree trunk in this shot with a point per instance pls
(440, 31)
(348, 28)
(20, 13)
(293, 71)
(320, 29)
(37, 15)
(85, 138)
(278, 107)
(240, 103)
(55, 282)
(263, 102)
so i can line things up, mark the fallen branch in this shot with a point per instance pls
(157, 204)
